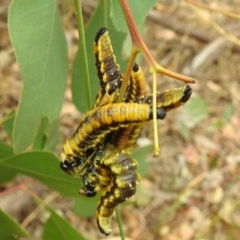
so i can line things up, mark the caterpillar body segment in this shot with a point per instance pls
(107, 69)
(133, 136)
(107, 98)
(170, 99)
(125, 138)
(97, 175)
(123, 186)
(99, 97)
(101, 121)
(136, 89)
(137, 85)
(95, 180)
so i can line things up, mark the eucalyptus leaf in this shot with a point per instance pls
(41, 51)
(197, 109)
(10, 229)
(43, 166)
(8, 123)
(140, 154)
(138, 9)
(86, 207)
(59, 228)
(6, 174)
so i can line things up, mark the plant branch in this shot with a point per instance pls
(140, 46)
(127, 74)
(119, 220)
(83, 50)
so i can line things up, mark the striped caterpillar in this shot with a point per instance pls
(114, 128)
(101, 121)
(97, 124)
(97, 176)
(115, 173)
(125, 138)
(110, 79)
(123, 186)
(107, 69)
(102, 175)
(168, 100)
(136, 90)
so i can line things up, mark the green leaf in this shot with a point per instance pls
(140, 154)
(100, 18)
(6, 174)
(10, 228)
(41, 138)
(52, 136)
(58, 228)
(85, 206)
(5, 151)
(8, 123)
(197, 109)
(139, 11)
(41, 52)
(47, 136)
(43, 166)
(228, 112)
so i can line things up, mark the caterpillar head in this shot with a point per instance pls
(69, 162)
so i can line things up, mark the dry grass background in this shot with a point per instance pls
(192, 189)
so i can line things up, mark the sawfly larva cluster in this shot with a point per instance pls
(102, 143)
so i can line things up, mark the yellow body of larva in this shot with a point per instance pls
(112, 170)
(136, 89)
(108, 70)
(122, 186)
(101, 121)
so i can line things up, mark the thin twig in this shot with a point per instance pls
(119, 221)
(82, 47)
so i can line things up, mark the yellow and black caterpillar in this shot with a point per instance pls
(114, 173)
(168, 100)
(109, 131)
(97, 124)
(125, 138)
(107, 69)
(136, 90)
(101, 174)
(123, 186)
(97, 176)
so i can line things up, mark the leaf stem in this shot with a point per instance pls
(127, 73)
(119, 220)
(83, 50)
(139, 45)
(155, 130)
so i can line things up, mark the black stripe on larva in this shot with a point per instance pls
(107, 70)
